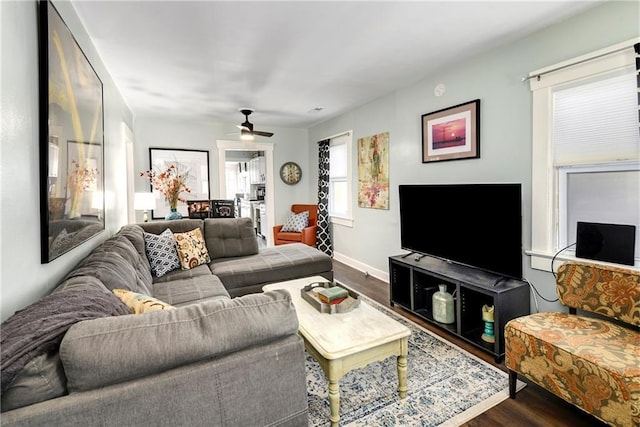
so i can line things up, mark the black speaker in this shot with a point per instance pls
(606, 242)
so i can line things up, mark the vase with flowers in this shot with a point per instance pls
(82, 177)
(171, 183)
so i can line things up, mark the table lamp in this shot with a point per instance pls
(144, 202)
(97, 202)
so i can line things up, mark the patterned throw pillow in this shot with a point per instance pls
(296, 222)
(141, 303)
(161, 252)
(192, 250)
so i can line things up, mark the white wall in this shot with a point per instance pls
(505, 125)
(23, 278)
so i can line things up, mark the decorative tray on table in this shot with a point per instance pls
(310, 294)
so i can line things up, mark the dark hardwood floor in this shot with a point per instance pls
(533, 405)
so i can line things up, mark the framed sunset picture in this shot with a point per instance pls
(452, 133)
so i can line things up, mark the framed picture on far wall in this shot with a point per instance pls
(194, 164)
(452, 133)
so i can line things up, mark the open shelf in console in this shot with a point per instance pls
(413, 281)
(424, 286)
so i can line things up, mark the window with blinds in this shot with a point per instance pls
(596, 147)
(596, 121)
(586, 148)
(339, 178)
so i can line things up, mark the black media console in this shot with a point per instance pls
(414, 280)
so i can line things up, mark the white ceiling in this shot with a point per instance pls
(207, 59)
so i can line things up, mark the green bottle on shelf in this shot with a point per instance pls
(443, 308)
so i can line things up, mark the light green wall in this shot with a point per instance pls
(290, 144)
(22, 278)
(494, 78)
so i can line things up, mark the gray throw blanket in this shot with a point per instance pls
(40, 327)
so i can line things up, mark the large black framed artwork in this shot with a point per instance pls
(71, 140)
(180, 171)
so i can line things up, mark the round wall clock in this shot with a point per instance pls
(290, 173)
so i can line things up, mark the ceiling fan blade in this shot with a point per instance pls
(261, 133)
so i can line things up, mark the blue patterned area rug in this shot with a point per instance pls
(447, 386)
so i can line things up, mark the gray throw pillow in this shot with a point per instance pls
(161, 252)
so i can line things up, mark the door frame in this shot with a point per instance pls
(227, 145)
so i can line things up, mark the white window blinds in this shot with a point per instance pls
(597, 122)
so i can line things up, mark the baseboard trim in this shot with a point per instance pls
(360, 266)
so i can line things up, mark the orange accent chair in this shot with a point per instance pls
(308, 234)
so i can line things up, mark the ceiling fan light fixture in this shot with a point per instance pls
(246, 129)
(246, 135)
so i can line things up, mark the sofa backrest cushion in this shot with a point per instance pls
(230, 237)
(176, 226)
(607, 290)
(135, 235)
(117, 265)
(80, 283)
(100, 352)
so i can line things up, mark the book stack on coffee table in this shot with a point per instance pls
(332, 295)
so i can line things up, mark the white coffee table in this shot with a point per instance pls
(342, 342)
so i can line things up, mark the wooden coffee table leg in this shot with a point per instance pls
(334, 401)
(402, 369)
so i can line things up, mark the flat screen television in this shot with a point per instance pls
(478, 225)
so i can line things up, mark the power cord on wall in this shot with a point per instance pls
(535, 291)
(554, 258)
(537, 294)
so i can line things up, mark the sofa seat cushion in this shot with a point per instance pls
(290, 237)
(272, 264)
(201, 270)
(190, 290)
(589, 362)
(97, 353)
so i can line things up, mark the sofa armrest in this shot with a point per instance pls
(309, 235)
(100, 352)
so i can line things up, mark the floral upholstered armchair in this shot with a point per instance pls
(590, 361)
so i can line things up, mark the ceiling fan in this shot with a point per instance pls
(246, 128)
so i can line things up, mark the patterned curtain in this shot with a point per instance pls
(323, 235)
(636, 48)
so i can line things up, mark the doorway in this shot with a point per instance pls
(223, 146)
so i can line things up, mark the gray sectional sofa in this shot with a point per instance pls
(226, 355)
